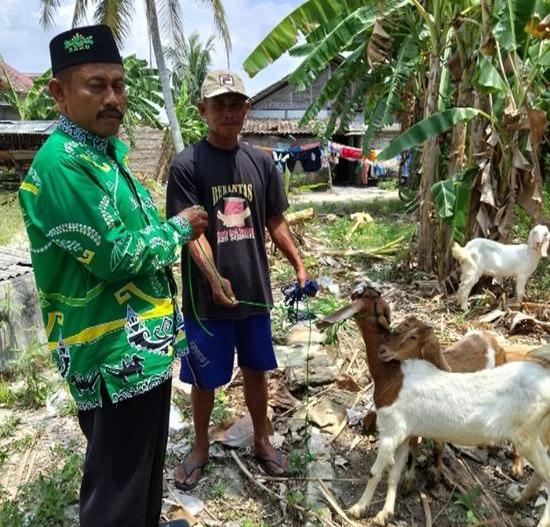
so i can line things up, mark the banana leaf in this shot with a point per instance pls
(452, 200)
(284, 35)
(487, 78)
(346, 73)
(340, 39)
(429, 127)
(388, 104)
(510, 18)
(444, 199)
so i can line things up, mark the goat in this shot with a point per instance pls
(486, 257)
(415, 398)
(477, 350)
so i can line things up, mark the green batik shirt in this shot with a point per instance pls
(100, 255)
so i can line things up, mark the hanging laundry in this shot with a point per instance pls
(352, 154)
(365, 167)
(311, 159)
(280, 159)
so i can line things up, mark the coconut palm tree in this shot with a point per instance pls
(118, 15)
(190, 61)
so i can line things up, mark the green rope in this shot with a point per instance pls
(306, 419)
(219, 278)
(192, 297)
(257, 304)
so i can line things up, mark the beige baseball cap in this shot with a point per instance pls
(218, 82)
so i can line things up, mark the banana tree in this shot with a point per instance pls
(385, 43)
(393, 52)
(37, 104)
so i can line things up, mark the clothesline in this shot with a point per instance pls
(313, 156)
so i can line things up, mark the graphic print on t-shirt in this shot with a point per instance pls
(234, 217)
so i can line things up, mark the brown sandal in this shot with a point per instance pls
(266, 462)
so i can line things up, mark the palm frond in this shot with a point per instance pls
(117, 14)
(190, 61)
(47, 14)
(170, 18)
(220, 22)
(79, 13)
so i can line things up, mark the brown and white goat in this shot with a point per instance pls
(476, 351)
(415, 398)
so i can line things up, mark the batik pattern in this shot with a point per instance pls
(99, 250)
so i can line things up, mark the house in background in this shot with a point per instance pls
(149, 157)
(274, 122)
(22, 83)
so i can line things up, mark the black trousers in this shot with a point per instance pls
(122, 481)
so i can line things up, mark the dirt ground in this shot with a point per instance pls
(230, 499)
(227, 496)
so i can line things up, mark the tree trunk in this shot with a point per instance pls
(163, 74)
(456, 163)
(477, 129)
(429, 165)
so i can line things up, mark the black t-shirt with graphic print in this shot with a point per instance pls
(239, 189)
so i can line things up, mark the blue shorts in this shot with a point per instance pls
(209, 359)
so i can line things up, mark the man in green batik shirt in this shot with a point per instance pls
(101, 258)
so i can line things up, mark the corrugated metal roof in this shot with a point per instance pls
(27, 127)
(13, 262)
(275, 127)
(291, 127)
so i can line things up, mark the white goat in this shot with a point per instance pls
(486, 257)
(510, 403)
(415, 398)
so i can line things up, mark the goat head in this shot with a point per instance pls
(366, 301)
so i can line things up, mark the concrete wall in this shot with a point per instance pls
(20, 318)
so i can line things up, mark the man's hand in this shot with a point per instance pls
(197, 218)
(301, 276)
(222, 292)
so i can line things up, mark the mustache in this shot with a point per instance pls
(111, 112)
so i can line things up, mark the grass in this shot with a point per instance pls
(221, 413)
(12, 221)
(42, 502)
(467, 509)
(218, 490)
(376, 207)
(31, 368)
(384, 229)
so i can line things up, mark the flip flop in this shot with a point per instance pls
(188, 471)
(266, 462)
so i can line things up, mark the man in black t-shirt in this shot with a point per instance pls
(227, 291)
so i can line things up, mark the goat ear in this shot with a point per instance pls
(544, 248)
(342, 314)
(382, 310)
(431, 351)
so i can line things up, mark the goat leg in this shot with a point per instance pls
(384, 459)
(393, 481)
(409, 483)
(517, 466)
(434, 472)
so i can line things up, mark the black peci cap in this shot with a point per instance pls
(83, 45)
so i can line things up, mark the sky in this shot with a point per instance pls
(24, 43)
